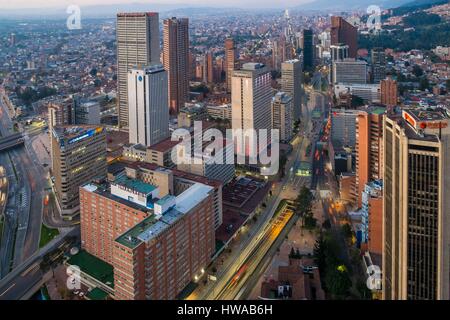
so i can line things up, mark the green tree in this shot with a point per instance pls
(338, 283)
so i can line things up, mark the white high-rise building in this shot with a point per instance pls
(148, 105)
(251, 98)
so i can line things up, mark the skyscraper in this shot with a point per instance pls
(389, 92)
(282, 115)
(230, 60)
(148, 105)
(291, 83)
(416, 237)
(137, 44)
(278, 52)
(78, 156)
(344, 32)
(209, 67)
(378, 59)
(176, 61)
(308, 50)
(251, 98)
(369, 135)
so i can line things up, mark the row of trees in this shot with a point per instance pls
(303, 205)
(334, 273)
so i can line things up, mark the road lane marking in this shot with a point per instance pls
(4, 292)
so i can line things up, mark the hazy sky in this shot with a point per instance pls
(17, 4)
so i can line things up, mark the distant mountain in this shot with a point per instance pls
(350, 5)
(100, 11)
(418, 3)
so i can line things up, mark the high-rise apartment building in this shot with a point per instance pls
(137, 44)
(230, 60)
(416, 238)
(282, 115)
(78, 156)
(389, 94)
(369, 143)
(291, 83)
(344, 32)
(148, 105)
(251, 98)
(308, 49)
(156, 238)
(176, 61)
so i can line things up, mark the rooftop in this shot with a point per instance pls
(134, 184)
(94, 267)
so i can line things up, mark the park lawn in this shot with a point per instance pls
(47, 235)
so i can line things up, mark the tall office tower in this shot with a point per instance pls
(78, 155)
(176, 61)
(416, 213)
(210, 67)
(350, 71)
(282, 115)
(378, 59)
(278, 52)
(339, 52)
(291, 83)
(137, 44)
(344, 32)
(147, 101)
(343, 127)
(251, 98)
(369, 143)
(168, 236)
(230, 61)
(389, 95)
(308, 50)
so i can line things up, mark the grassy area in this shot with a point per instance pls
(47, 235)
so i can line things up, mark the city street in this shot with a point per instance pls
(287, 189)
(23, 229)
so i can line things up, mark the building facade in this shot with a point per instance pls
(176, 61)
(137, 44)
(148, 105)
(291, 83)
(78, 155)
(282, 115)
(416, 240)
